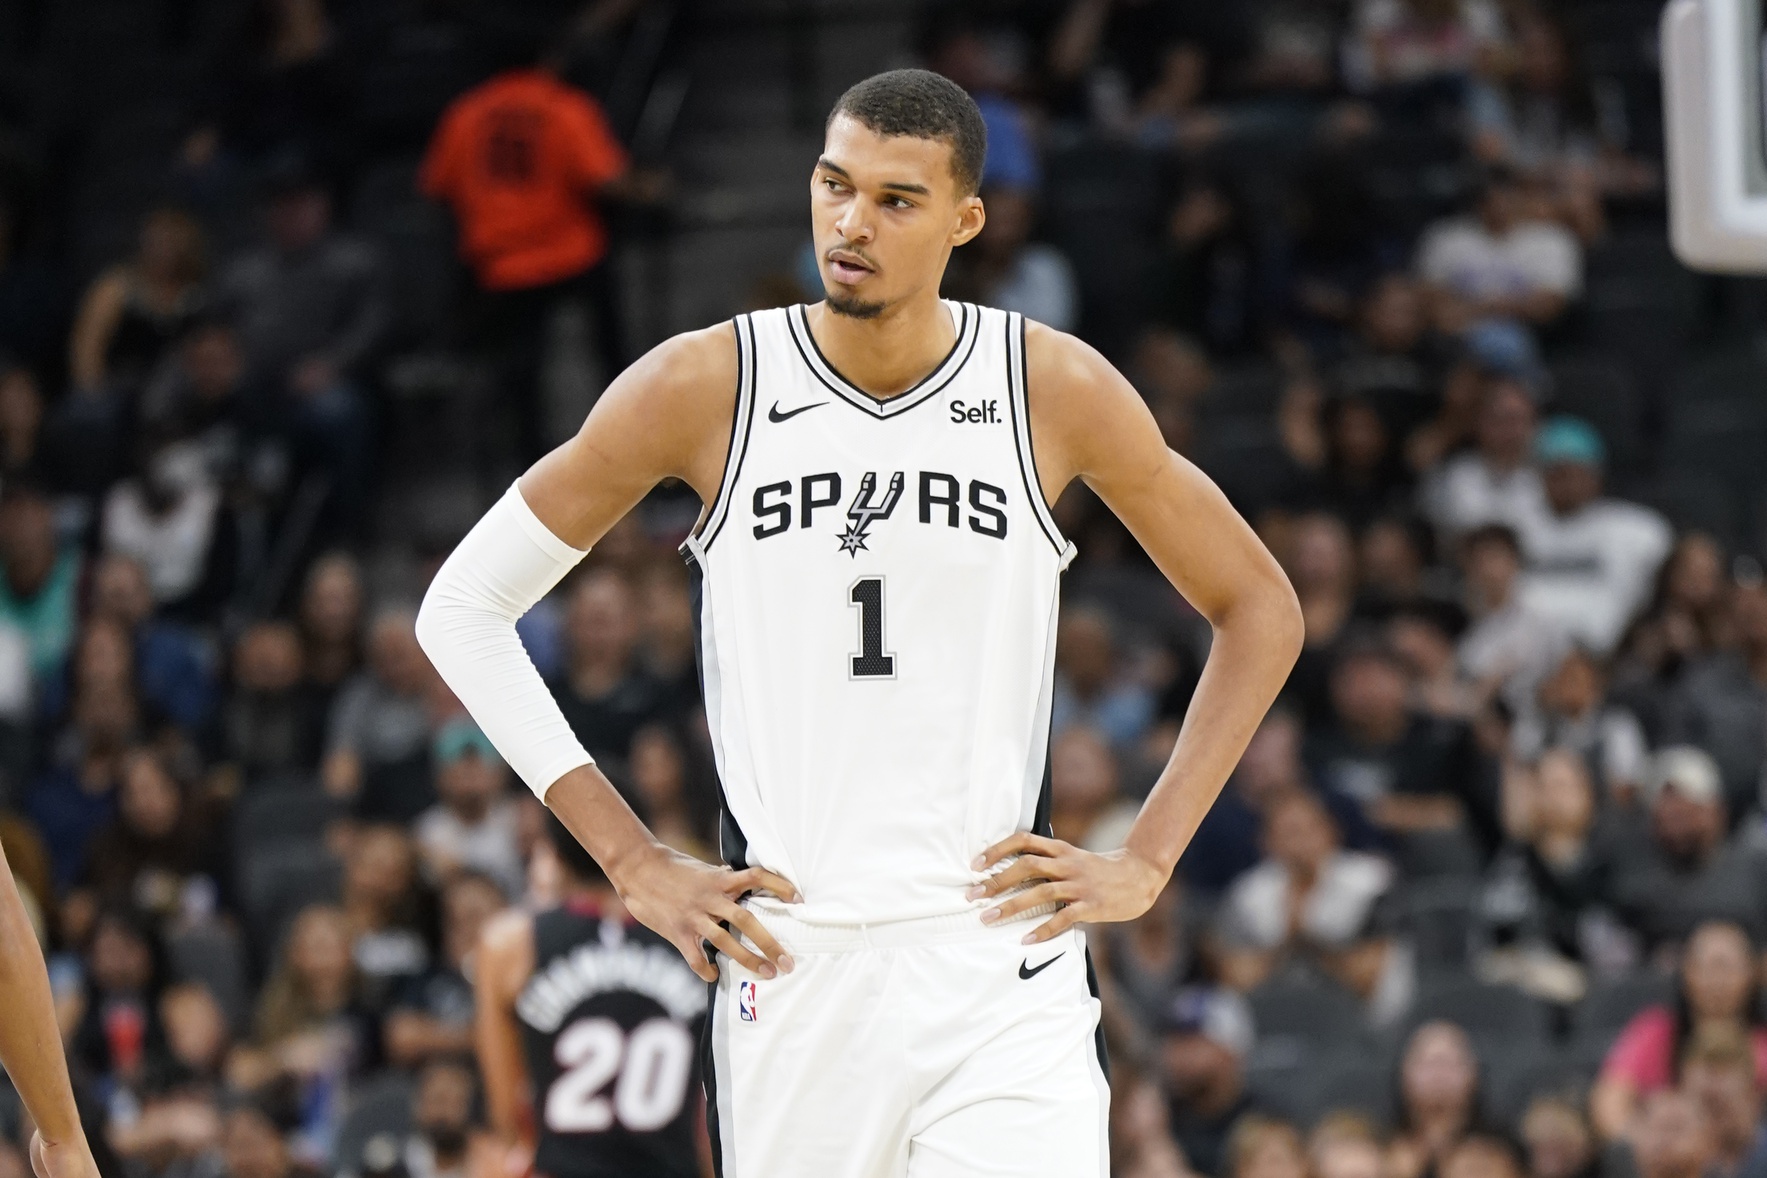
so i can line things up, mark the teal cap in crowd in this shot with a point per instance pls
(1569, 439)
(459, 737)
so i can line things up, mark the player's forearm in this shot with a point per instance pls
(593, 810)
(1254, 648)
(30, 1041)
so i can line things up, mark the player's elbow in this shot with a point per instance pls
(1272, 612)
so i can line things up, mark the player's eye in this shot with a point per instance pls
(832, 184)
(896, 202)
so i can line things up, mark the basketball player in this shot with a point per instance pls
(900, 986)
(598, 1017)
(30, 1045)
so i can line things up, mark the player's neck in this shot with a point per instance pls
(891, 353)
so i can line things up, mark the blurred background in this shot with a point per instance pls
(1486, 897)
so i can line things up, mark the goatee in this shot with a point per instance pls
(854, 308)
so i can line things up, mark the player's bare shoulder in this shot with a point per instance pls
(505, 953)
(1082, 409)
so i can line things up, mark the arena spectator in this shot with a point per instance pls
(23, 444)
(1155, 956)
(1439, 1076)
(1673, 1138)
(1229, 841)
(1006, 269)
(386, 906)
(1691, 869)
(1206, 1035)
(179, 1123)
(1718, 1069)
(1557, 1139)
(472, 826)
(1344, 1145)
(1501, 262)
(668, 634)
(1591, 560)
(159, 855)
(1394, 358)
(604, 694)
(1140, 1136)
(331, 623)
(271, 722)
(1263, 1147)
(1720, 702)
(1687, 621)
(1312, 901)
(1495, 483)
(1572, 712)
(311, 1028)
(1717, 990)
(431, 1016)
(377, 739)
(201, 400)
(171, 669)
(522, 160)
(170, 517)
(1481, 1155)
(1410, 774)
(1407, 43)
(134, 312)
(1143, 61)
(1422, 633)
(1321, 564)
(666, 783)
(75, 797)
(311, 313)
(442, 1121)
(1091, 686)
(1510, 648)
(39, 576)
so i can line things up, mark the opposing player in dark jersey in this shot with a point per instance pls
(591, 1021)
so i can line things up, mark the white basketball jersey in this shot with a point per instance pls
(876, 594)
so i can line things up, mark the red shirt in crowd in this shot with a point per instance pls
(518, 159)
(1644, 1054)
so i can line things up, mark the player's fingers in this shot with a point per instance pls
(1063, 920)
(1055, 892)
(726, 943)
(1022, 870)
(759, 879)
(1012, 844)
(692, 950)
(755, 931)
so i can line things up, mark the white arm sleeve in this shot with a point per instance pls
(509, 561)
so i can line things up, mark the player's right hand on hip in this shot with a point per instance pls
(691, 903)
(62, 1159)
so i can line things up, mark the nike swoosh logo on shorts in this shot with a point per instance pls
(774, 414)
(1027, 973)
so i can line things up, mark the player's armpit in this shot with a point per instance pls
(668, 415)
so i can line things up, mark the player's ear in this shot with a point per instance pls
(970, 219)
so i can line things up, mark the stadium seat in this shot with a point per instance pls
(285, 810)
(1314, 1012)
(1438, 917)
(1610, 1005)
(212, 955)
(1481, 1009)
(278, 881)
(1433, 854)
(381, 1106)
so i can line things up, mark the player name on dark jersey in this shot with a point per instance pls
(610, 1023)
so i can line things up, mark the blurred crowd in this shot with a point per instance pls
(1487, 895)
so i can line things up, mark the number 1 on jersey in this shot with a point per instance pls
(871, 662)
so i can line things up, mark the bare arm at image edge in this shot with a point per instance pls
(30, 1045)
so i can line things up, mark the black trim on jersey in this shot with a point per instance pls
(742, 418)
(1019, 392)
(708, 1072)
(882, 408)
(733, 844)
(1104, 1059)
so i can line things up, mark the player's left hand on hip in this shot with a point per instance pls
(1089, 887)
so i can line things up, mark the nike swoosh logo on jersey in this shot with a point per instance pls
(1027, 973)
(774, 414)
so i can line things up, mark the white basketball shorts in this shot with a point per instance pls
(936, 1048)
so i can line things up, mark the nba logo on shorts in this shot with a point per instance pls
(745, 1001)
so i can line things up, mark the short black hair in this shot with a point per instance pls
(1492, 534)
(924, 105)
(577, 862)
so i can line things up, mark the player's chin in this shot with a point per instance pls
(846, 300)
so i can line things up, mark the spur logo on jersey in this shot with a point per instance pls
(745, 1001)
(940, 500)
(862, 510)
